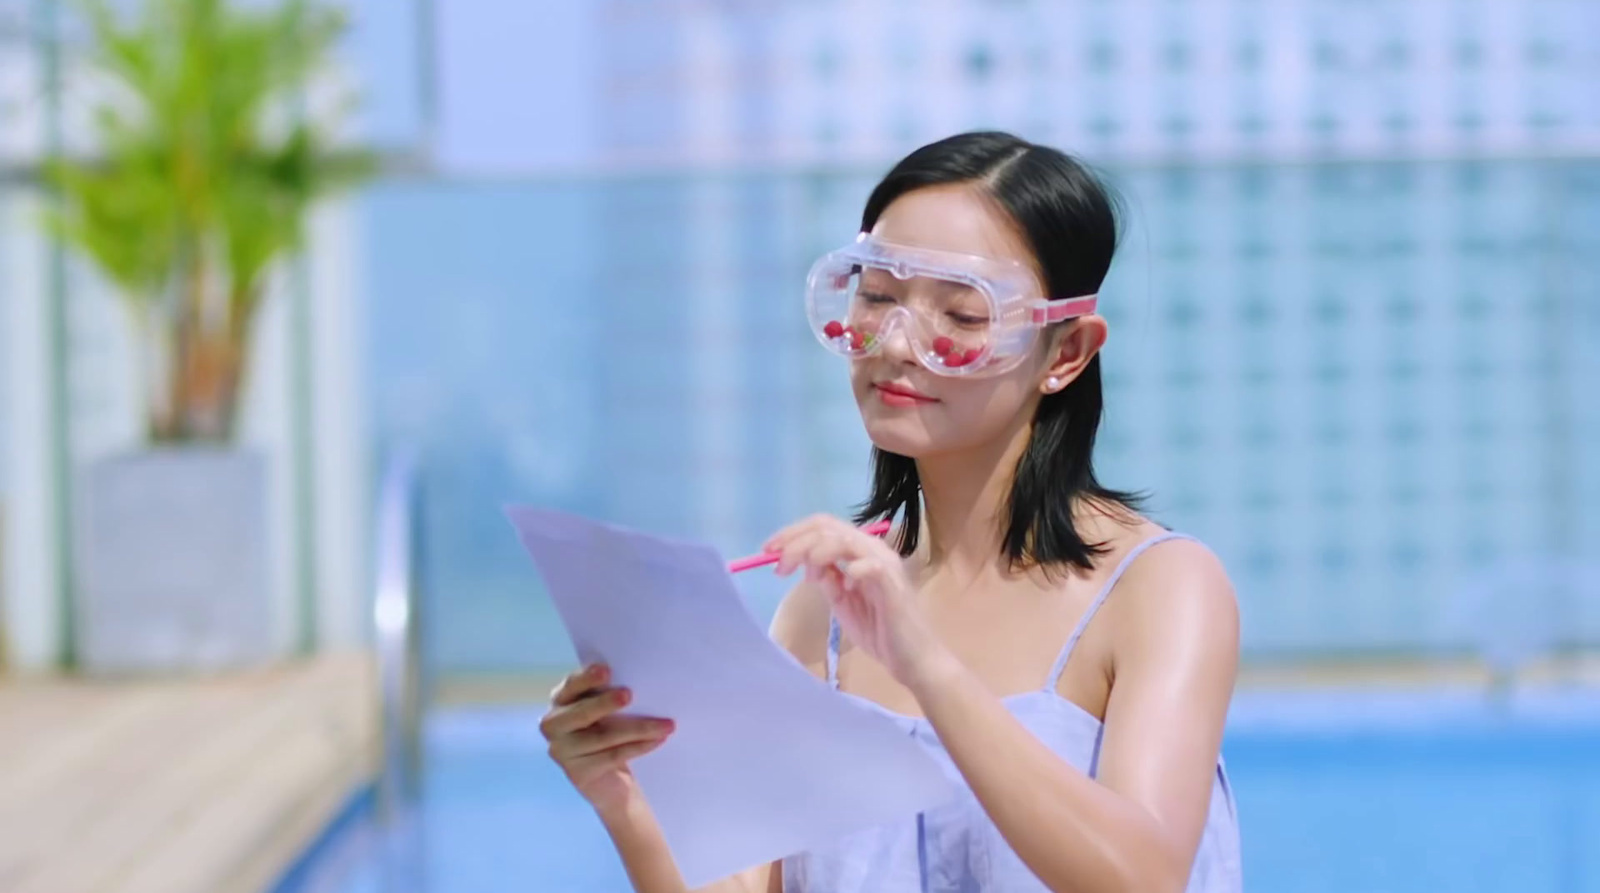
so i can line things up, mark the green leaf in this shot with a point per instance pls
(189, 153)
(205, 172)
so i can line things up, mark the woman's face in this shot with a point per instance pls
(911, 411)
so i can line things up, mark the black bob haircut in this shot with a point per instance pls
(1068, 219)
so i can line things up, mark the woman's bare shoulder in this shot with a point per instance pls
(1178, 591)
(800, 627)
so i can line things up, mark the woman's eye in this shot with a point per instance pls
(872, 297)
(963, 319)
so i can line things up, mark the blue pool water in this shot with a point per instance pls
(1338, 791)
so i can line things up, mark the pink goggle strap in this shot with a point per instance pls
(1056, 311)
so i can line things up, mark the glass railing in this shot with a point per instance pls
(1368, 386)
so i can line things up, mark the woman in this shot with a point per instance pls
(1071, 660)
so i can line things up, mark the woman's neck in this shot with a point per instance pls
(965, 497)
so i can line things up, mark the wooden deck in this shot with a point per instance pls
(184, 786)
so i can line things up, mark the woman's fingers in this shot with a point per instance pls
(779, 540)
(587, 737)
(821, 542)
(628, 752)
(579, 683)
(827, 551)
(584, 712)
(581, 769)
(794, 551)
(841, 549)
(834, 585)
(864, 570)
(610, 734)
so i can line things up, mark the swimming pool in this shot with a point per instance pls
(1338, 791)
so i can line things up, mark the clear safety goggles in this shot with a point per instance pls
(960, 315)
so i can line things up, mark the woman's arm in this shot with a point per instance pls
(800, 626)
(1136, 828)
(650, 866)
(1173, 658)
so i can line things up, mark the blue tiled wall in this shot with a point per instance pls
(1365, 384)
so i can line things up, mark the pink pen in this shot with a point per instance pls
(877, 528)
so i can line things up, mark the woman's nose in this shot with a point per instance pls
(895, 335)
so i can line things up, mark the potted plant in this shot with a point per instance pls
(203, 176)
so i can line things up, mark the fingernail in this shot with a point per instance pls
(665, 725)
(624, 696)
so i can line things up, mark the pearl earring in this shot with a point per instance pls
(1053, 383)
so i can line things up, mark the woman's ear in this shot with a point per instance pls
(1072, 346)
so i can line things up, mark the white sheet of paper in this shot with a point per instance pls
(767, 760)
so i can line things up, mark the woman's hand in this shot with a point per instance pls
(592, 744)
(867, 589)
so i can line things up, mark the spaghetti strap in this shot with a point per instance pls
(1088, 614)
(833, 651)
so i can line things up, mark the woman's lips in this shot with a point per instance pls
(901, 395)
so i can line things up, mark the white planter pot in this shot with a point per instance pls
(172, 562)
